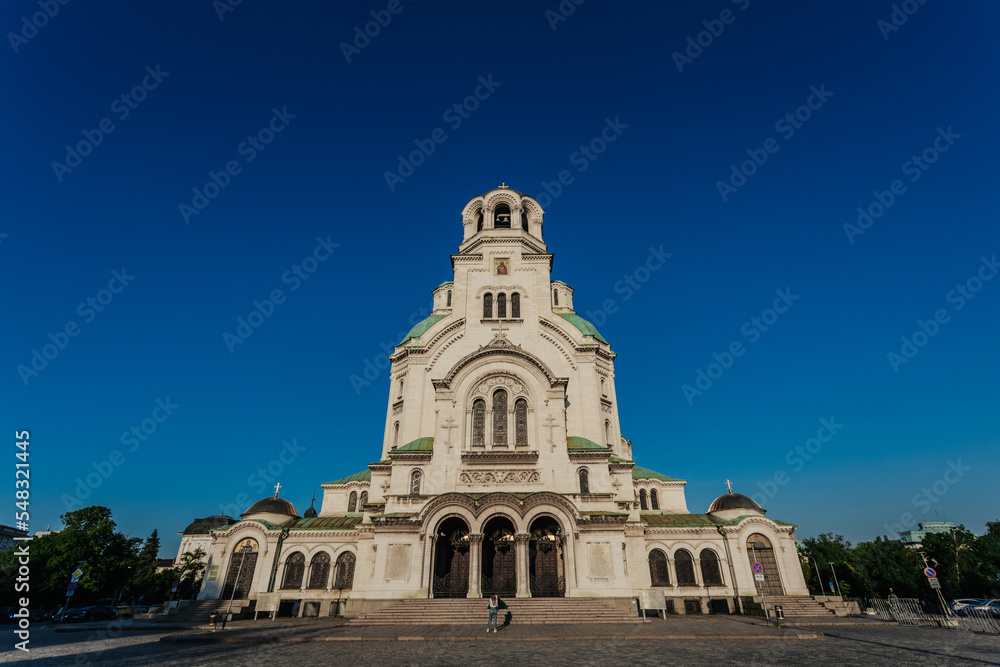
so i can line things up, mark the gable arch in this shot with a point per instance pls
(475, 362)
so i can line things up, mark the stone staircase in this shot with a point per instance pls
(797, 606)
(198, 612)
(465, 611)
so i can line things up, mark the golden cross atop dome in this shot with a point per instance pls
(728, 484)
(276, 487)
(503, 185)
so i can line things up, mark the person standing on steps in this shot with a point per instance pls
(494, 608)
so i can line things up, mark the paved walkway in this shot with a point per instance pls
(313, 630)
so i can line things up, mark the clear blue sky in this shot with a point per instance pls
(211, 84)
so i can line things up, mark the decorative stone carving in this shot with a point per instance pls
(500, 477)
(510, 383)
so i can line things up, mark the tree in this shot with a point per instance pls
(829, 549)
(885, 564)
(88, 540)
(144, 572)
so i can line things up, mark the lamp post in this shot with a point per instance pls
(244, 550)
(835, 581)
(819, 579)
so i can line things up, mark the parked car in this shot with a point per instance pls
(140, 609)
(984, 608)
(959, 606)
(95, 613)
(39, 615)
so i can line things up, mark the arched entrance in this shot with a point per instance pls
(450, 575)
(499, 557)
(546, 568)
(759, 550)
(239, 576)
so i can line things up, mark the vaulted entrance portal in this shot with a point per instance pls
(239, 576)
(759, 550)
(451, 559)
(546, 572)
(499, 558)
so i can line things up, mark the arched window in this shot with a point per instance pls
(449, 299)
(400, 395)
(711, 573)
(654, 500)
(345, 570)
(520, 422)
(487, 306)
(659, 574)
(684, 565)
(479, 423)
(415, 478)
(524, 219)
(363, 500)
(604, 389)
(501, 217)
(515, 306)
(501, 306)
(395, 435)
(555, 297)
(352, 502)
(642, 499)
(295, 567)
(479, 221)
(500, 418)
(584, 481)
(607, 432)
(319, 570)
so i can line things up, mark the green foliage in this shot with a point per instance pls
(88, 540)
(966, 564)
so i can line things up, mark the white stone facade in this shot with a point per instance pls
(503, 466)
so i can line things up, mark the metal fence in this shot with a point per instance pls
(910, 611)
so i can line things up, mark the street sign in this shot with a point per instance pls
(72, 586)
(757, 568)
(759, 577)
(935, 583)
(77, 574)
(929, 572)
(74, 579)
(69, 593)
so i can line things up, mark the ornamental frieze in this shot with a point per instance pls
(500, 477)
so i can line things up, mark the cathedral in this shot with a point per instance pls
(503, 469)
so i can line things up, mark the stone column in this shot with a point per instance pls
(521, 564)
(475, 564)
(430, 579)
